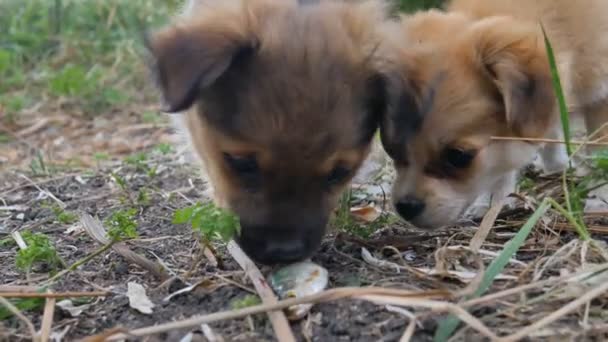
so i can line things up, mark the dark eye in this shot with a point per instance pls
(458, 158)
(337, 175)
(242, 164)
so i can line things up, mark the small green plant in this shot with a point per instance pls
(122, 183)
(139, 160)
(526, 183)
(122, 225)
(209, 221)
(38, 165)
(164, 148)
(151, 117)
(143, 197)
(63, 216)
(7, 242)
(39, 250)
(101, 156)
(4, 138)
(141, 163)
(245, 302)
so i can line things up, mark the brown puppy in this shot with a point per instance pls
(481, 70)
(280, 100)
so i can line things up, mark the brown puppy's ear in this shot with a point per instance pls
(514, 58)
(189, 58)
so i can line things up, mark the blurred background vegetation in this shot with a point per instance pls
(82, 57)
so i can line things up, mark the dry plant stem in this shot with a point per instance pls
(48, 193)
(557, 314)
(454, 309)
(329, 295)
(15, 311)
(582, 231)
(155, 268)
(551, 141)
(47, 320)
(409, 331)
(486, 225)
(278, 320)
(52, 294)
(96, 231)
(77, 264)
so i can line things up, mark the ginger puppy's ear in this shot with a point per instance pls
(192, 56)
(402, 116)
(514, 59)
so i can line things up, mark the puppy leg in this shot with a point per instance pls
(596, 122)
(554, 156)
(500, 190)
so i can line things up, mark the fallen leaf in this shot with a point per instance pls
(367, 214)
(138, 299)
(74, 311)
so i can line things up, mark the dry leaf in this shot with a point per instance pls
(367, 214)
(74, 311)
(138, 299)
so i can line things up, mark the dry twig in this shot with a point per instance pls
(277, 318)
(325, 296)
(47, 319)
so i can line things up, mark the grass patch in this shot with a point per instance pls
(84, 52)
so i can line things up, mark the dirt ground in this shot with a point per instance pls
(29, 198)
(175, 186)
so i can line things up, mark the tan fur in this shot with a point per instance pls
(481, 70)
(286, 85)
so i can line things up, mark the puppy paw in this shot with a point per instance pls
(477, 211)
(554, 158)
(555, 162)
(597, 200)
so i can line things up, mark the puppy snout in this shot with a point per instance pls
(409, 207)
(274, 245)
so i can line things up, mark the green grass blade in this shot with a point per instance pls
(559, 93)
(574, 199)
(448, 325)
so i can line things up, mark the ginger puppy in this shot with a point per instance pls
(481, 70)
(280, 100)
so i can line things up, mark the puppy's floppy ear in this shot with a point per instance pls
(191, 57)
(402, 116)
(514, 58)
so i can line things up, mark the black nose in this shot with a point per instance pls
(271, 246)
(409, 207)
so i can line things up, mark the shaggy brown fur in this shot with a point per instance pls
(481, 70)
(281, 100)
